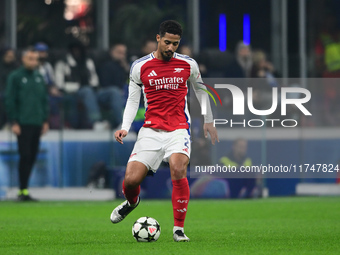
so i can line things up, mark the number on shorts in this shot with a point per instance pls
(186, 144)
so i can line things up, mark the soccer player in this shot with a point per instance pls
(165, 135)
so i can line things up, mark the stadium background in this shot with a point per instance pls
(287, 31)
(286, 222)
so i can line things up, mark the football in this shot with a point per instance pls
(146, 229)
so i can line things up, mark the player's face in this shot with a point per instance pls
(167, 45)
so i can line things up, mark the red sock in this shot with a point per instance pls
(180, 200)
(131, 195)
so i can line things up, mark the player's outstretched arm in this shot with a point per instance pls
(209, 128)
(132, 104)
(120, 134)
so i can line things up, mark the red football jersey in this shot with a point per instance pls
(165, 89)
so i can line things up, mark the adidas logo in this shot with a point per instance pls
(151, 229)
(153, 73)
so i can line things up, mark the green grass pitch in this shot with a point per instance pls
(296, 225)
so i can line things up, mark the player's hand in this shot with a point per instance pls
(16, 129)
(209, 127)
(120, 134)
(45, 128)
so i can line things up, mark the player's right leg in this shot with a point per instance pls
(180, 194)
(134, 175)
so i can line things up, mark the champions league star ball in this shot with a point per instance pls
(146, 229)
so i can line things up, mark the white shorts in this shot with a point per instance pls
(155, 145)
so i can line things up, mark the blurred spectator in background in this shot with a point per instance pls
(27, 109)
(45, 68)
(113, 76)
(263, 70)
(7, 65)
(240, 187)
(76, 75)
(241, 66)
(55, 97)
(149, 45)
(186, 50)
(327, 50)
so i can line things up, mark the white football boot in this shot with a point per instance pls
(122, 210)
(179, 235)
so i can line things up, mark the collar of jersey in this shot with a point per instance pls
(153, 56)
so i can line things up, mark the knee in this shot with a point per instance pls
(131, 181)
(178, 171)
(85, 91)
(115, 94)
(114, 90)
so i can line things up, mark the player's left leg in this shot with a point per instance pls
(180, 193)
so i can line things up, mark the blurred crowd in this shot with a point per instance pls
(83, 93)
(88, 89)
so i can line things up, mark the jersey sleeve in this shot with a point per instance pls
(199, 87)
(132, 103)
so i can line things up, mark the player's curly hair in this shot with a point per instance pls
(171, 27)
